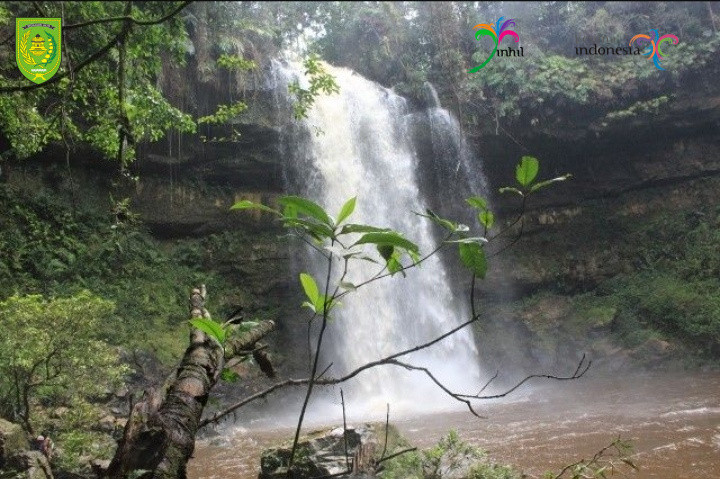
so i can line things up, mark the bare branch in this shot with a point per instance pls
(580, 371)
(297, 382)
(265, 392)
(445, 389)
(519, 219)
(512, 243)
(313, 372)
(616, 444)
(497, 372)
(129, 18)
(393, 456)
(387, 428)
(309, 343)
(405, 352)
(324, 371)
(347, 457)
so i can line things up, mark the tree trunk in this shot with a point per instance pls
(159, 437)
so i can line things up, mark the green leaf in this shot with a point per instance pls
(316, 230)
(509, 189)
(394, 265)
(225, 113)
(390, 238)
(228, 375)
(307, 304)
(345, 252)
(477, 202)
(487, 218)
(473, 256)
(347, 209)
(527, 170)
(246, 205)
(353, 228)
(543, 184)
(473, 239)
(290, 212)
(348, 286)
(236, 63)
(310, 287)
(209, 327)
(445, 223)
(324, 302)
(306, 207)
(320, 303)
(414, 256)
(386, 251)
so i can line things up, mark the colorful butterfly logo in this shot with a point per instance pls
(656, 54)
(487, 30)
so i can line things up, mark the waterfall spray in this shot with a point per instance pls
(359, 143)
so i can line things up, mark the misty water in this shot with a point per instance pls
(359, 143)
(672, 419)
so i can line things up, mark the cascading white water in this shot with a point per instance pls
(360, 144)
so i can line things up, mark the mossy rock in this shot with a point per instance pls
(12, 441)
(322, 452)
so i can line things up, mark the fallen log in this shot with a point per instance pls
(159, 437)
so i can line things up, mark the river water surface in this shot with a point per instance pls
(672, 419)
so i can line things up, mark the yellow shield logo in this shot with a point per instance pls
(37, 47)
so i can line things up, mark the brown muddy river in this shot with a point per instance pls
(672, 419)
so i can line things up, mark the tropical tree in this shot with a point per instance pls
(50, 354)
(106, 93)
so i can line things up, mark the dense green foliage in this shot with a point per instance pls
(45, 249)
(51, 352)
(118, 100)
(106, 103)
(663, 302)
(405, 44)
(674, 293)
(319, 82)
(54, 366)
(450, 454)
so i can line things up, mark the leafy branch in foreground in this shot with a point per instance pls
(604, 463)
(320, 81)
(525, 173)
(342, 243)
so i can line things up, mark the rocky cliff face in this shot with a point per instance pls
(586, 231)
(576, 236)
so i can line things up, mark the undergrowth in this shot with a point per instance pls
(46, 248)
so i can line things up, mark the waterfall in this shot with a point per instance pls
(360, 143)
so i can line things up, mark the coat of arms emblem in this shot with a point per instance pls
(37, 47)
